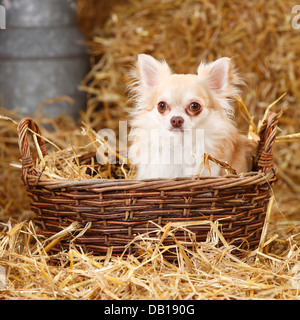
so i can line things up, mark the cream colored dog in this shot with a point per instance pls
(178, 117)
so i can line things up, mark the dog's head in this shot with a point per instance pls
(177, 102)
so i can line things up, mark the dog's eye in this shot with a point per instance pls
(162, 106)
(195, 107)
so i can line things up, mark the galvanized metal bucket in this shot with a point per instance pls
(42, 56)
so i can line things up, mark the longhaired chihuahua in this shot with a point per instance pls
(179, 117)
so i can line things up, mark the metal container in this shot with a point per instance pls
(42, 56)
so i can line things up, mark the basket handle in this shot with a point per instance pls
(267, 133)
(27, 161)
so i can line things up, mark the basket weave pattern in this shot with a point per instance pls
(118, 210)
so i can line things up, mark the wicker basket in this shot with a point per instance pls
(121, 209)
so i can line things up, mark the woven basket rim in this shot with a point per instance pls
(35, 180)
(263, 164)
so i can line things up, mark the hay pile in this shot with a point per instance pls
(211, 273)
(260, 38)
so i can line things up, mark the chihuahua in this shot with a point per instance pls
(178, 117)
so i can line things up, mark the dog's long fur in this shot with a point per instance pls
(212, 87)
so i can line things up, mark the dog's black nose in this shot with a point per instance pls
(177, 122)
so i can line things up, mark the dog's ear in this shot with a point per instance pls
(220, 74)
(151, 71)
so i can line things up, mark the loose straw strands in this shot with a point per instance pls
(209, 272)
